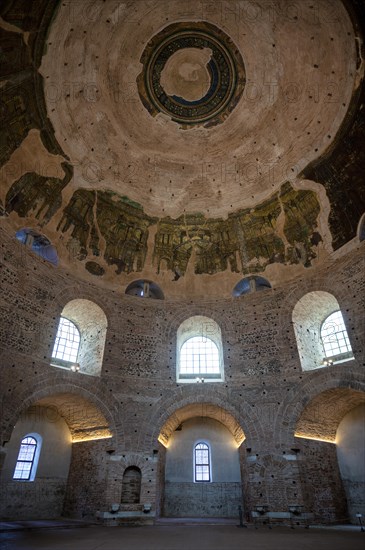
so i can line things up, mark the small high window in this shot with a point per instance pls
(144, 289)
(67, 343)
(27, 461)
(39, 244)
(202, 462)
(250, 284)
(334, 337)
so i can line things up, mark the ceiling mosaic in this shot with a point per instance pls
(224, 77)
(173, 145)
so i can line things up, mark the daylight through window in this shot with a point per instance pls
(24, 463)
(67, 341)
(334, 336)
(199, 355)
(202, 462)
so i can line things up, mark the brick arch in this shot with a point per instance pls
(317, 399)
(189, 404)
(84, 411)
(190, 310)
(321, 282)
(78, 291)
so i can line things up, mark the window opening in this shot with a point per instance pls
(199, 355)
(202, 462)
(67, 341)
(25, 461)
(334, 336)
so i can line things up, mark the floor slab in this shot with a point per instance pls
(187, 537)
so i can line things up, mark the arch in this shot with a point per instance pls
(253, 283)
(39, 244)
(182, 471)
(144, 289)
(199, 351)
(322, 415)
(208, 410)
(92, 324)
(308, 315)
(131, 485)
(85, 421)
(84, 413)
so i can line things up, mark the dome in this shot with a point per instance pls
(189, 148)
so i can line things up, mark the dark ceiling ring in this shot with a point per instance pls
(226, 70)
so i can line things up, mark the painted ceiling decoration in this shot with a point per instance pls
(223, 77)
(145, 143)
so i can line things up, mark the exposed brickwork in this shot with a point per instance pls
(323, 491)
(265, 390)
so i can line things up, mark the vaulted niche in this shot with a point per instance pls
(320, 331)
(80, 340)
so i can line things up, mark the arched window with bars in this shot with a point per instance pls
(202, 462)
(67, 343)
(27, 461)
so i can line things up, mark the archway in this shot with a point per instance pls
(330, 436)
(202, 462)
(71, 430)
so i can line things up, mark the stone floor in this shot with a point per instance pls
(178, 537)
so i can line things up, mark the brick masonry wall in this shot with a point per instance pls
(202, 499)
(264, 389)
(324, 492)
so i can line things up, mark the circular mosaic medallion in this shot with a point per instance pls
(193, 73)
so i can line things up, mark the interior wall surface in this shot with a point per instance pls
(42, 498)
(222, 494)
(264, 389)
(350, 439)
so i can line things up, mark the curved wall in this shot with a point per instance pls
(265, 389)
(350, 439)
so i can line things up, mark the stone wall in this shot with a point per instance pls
(265, 389)
(202, 499)
(324, 493)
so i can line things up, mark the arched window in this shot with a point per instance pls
(80, 340)
(67, 343)
(336, 343)
(27, 461)
(199, 356)
(199, 351)
(320, 331)
(202, 462)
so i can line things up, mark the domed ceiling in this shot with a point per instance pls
(189, 143)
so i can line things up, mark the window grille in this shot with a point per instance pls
(25, 461)
(67, 341)
(199, 355)
(334, 336)
(202, 462)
